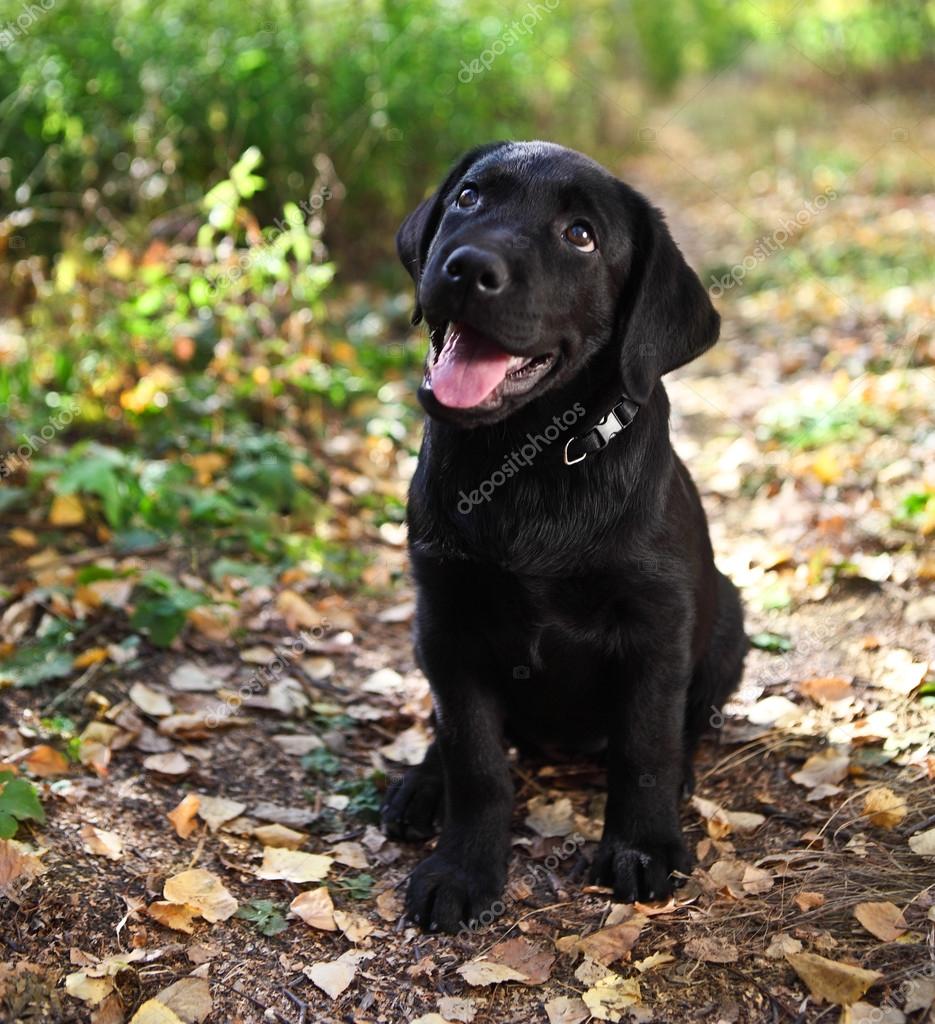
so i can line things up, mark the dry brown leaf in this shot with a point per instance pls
(483, 972)
(280, 836)
(900, 673)
(293, 866)
(550, 818)
(389, 905)
(884, 808)
(316, 908)
(456, 1008)
(189, 998)
(611, 944)
(298, 744)
(827, 689)
(183, 815)
(883, 920)
(297, 612)
(830, 980)
(567, 1010)
(216, 811)
(216, 621)
(774, 709)
(351, 855)
(173, 763)
(334, 976)
(289, 816)
(149, 701)
(828, 767)
(809, 900)
(196, 725)
(920, 993)
(355, 927)
(96, 742)
(739, 879)
(721, 822)
(409, 747)
(923, 843)
(109, 1011)
(202, 890)
(513, 960)
(46, 762)
(179, 917)
(192, 678)
(18, 863)
(781, 944)
(101, 842)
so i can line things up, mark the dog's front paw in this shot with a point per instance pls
(640, 871)
(413, 805)
(444, 895)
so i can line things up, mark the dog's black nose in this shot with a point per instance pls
(484, 272)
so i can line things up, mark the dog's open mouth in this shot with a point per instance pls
(471, 370)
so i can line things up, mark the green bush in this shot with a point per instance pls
(134, 109)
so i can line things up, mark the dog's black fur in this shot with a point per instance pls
(579, 606)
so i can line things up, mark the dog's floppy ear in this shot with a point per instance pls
(415, 235)
(667, 318)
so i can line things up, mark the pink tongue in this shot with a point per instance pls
(469, 367)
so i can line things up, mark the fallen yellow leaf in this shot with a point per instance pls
(92, 656)
(183, 814)
(827, 979)
(884, 808)
(202, 890)
(66, 510)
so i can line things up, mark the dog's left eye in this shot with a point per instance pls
(467, 197)
(581, 236)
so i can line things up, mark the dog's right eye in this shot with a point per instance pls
(467, 197)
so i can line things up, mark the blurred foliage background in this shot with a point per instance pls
(197, 205)
(129, 110)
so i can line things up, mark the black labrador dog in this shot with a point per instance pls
(567, 593)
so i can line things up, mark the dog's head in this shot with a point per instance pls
(528, 261)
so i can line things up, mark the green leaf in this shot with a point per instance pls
(37, 663)
(775, 643)
(19, 801)
(321, 762)
(266, 915)
(19, 798)
(358, 888)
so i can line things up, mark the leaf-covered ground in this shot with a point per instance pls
(179, 707)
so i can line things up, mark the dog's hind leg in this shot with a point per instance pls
(716, 676)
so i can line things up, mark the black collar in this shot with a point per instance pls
(602, 433)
